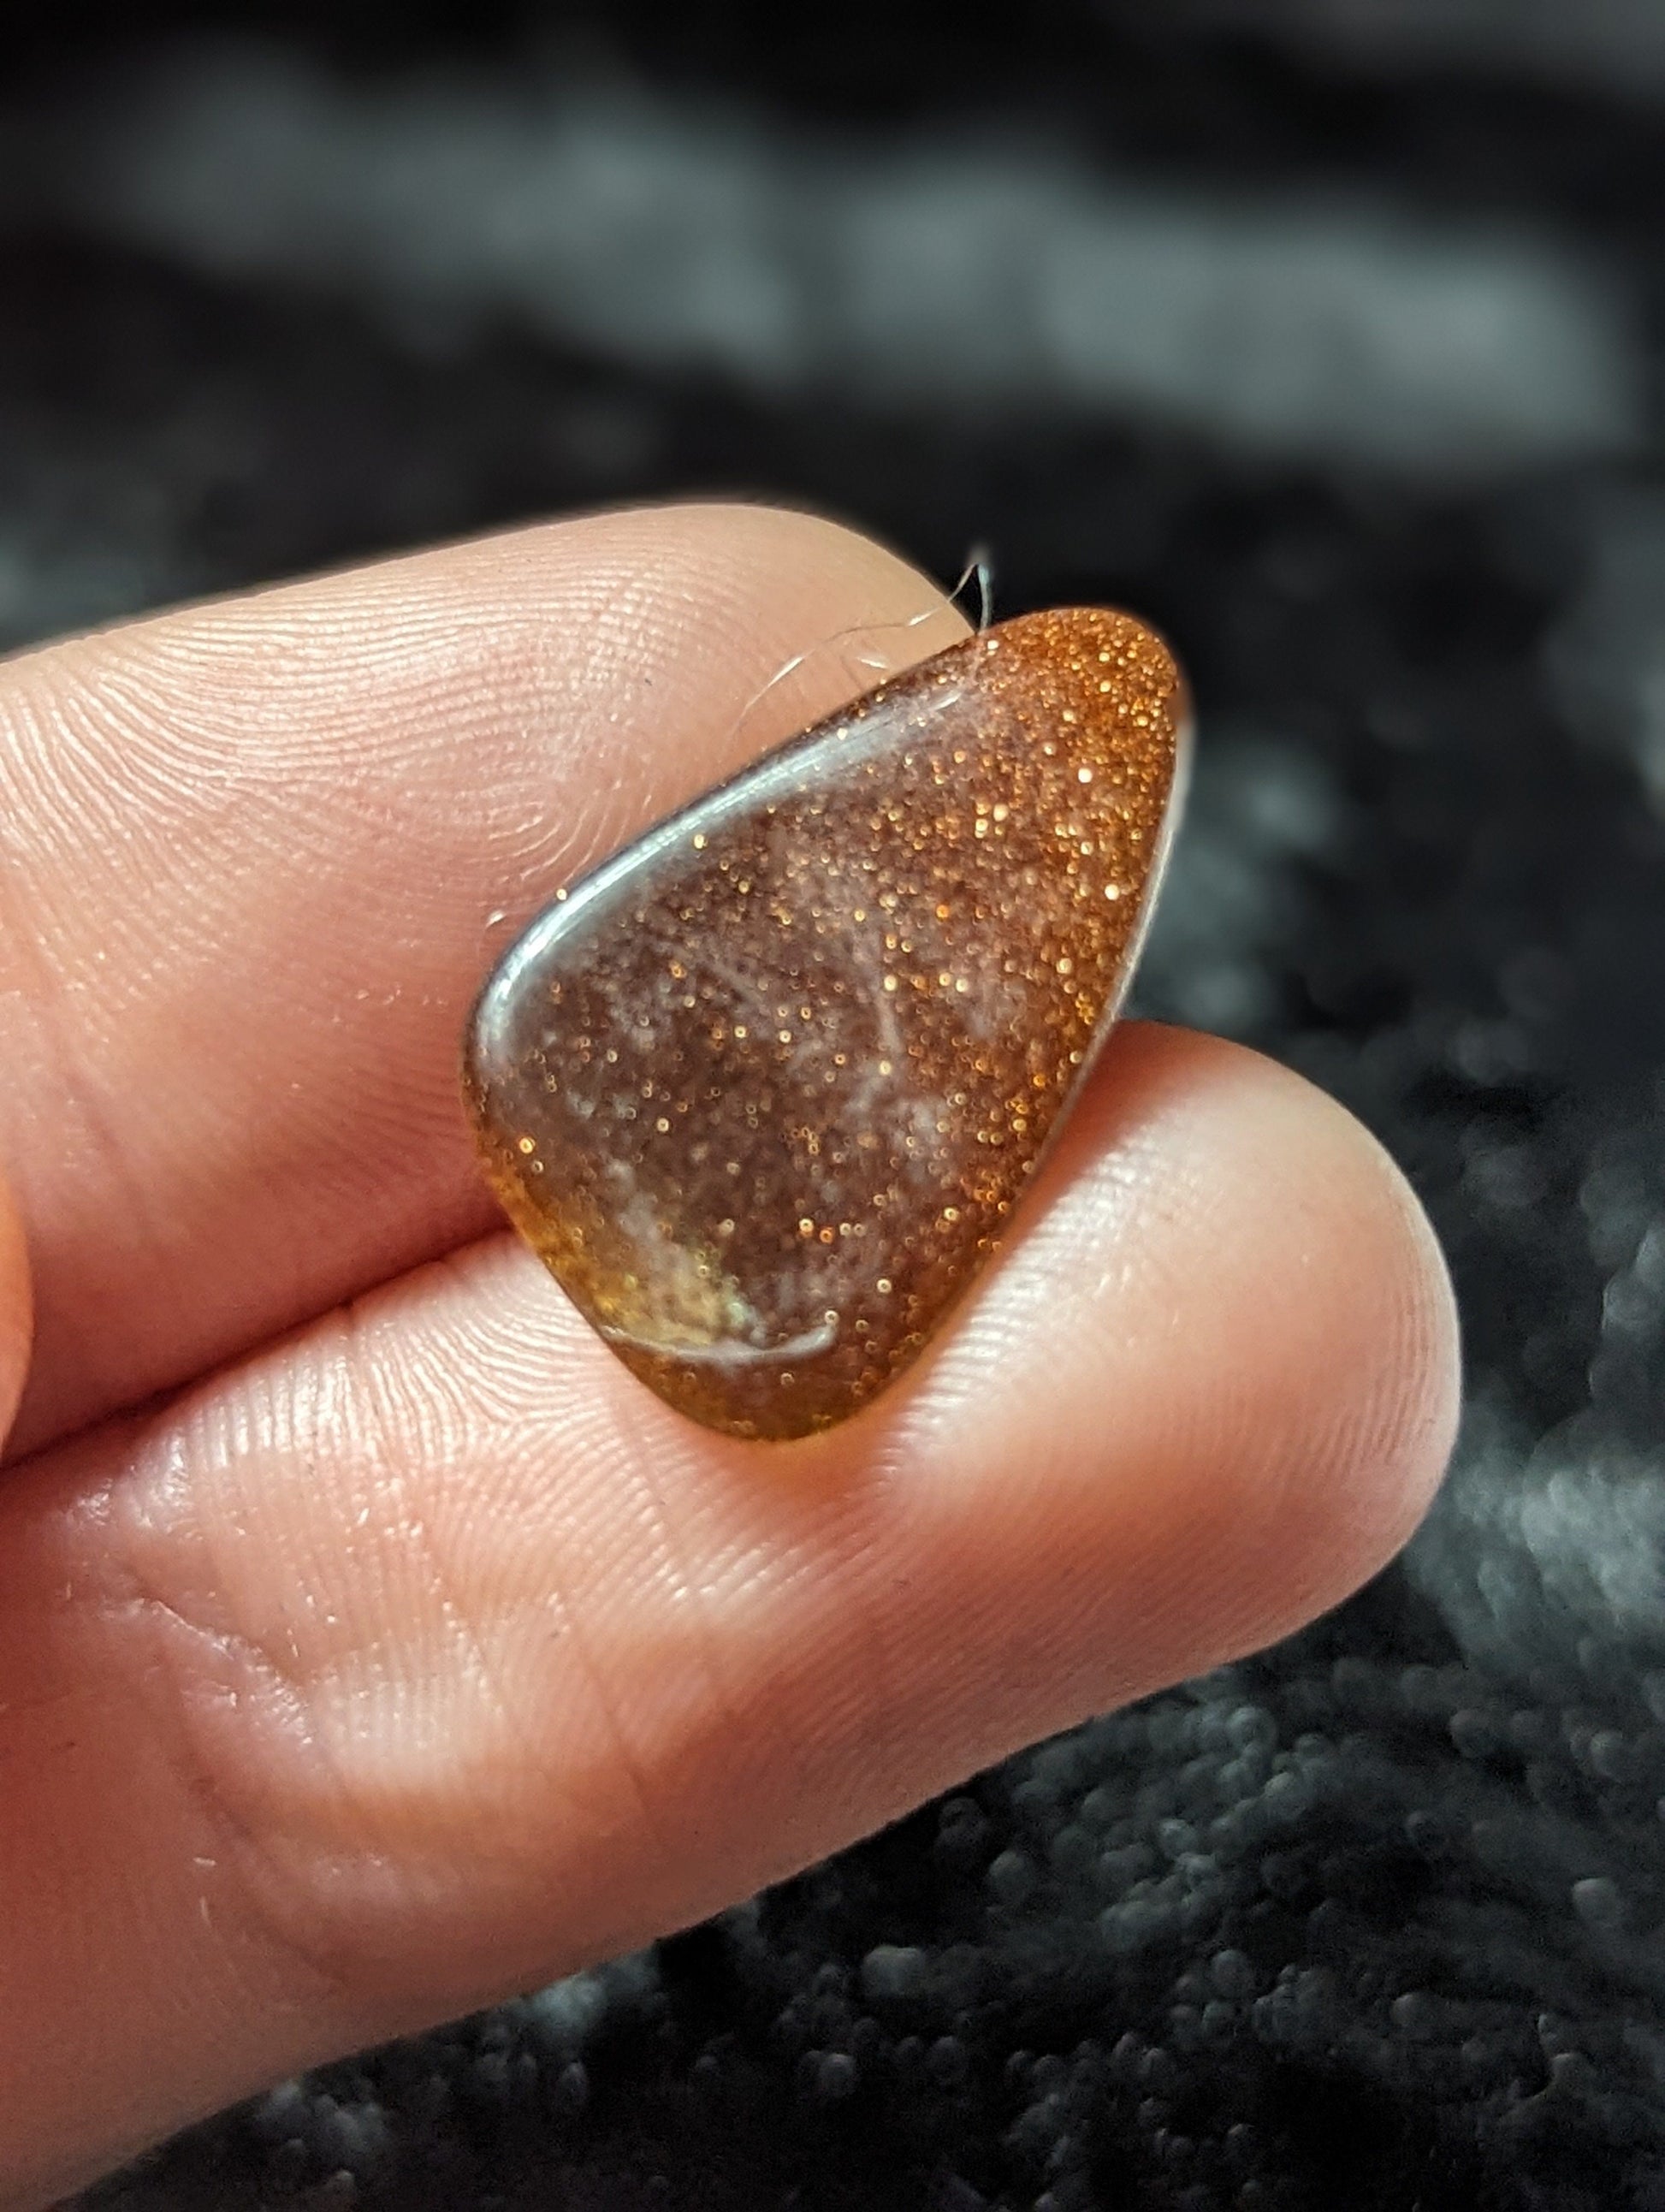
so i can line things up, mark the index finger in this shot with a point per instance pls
(258, 855)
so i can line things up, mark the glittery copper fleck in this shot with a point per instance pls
(764, 1091)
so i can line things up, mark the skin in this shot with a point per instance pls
(371, 1644)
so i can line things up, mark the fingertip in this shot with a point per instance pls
(1231, 1359)
(1382, 1387)
(1419, 1418)
(1341, 1332)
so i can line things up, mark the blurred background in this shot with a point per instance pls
(1329, 335)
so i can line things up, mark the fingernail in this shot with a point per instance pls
(764, 1091)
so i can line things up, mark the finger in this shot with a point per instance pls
(258, 855)
(429, 1655)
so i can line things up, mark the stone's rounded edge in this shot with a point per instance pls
(1040, 620)
(1045, 625)
(1182, 759)
(670, 1379)
(577, 910)
(574, 904)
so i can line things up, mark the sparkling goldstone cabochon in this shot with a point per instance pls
(764, 1091)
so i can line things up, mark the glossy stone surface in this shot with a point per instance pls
(764, 1090)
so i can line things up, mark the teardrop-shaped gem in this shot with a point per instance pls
(764, 1091)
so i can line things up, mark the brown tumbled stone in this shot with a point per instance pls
(764, 1090)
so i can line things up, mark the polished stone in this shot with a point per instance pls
(764, 1091)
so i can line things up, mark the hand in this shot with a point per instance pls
(371, 1644)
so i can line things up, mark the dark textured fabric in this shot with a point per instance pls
(1376, 1919)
